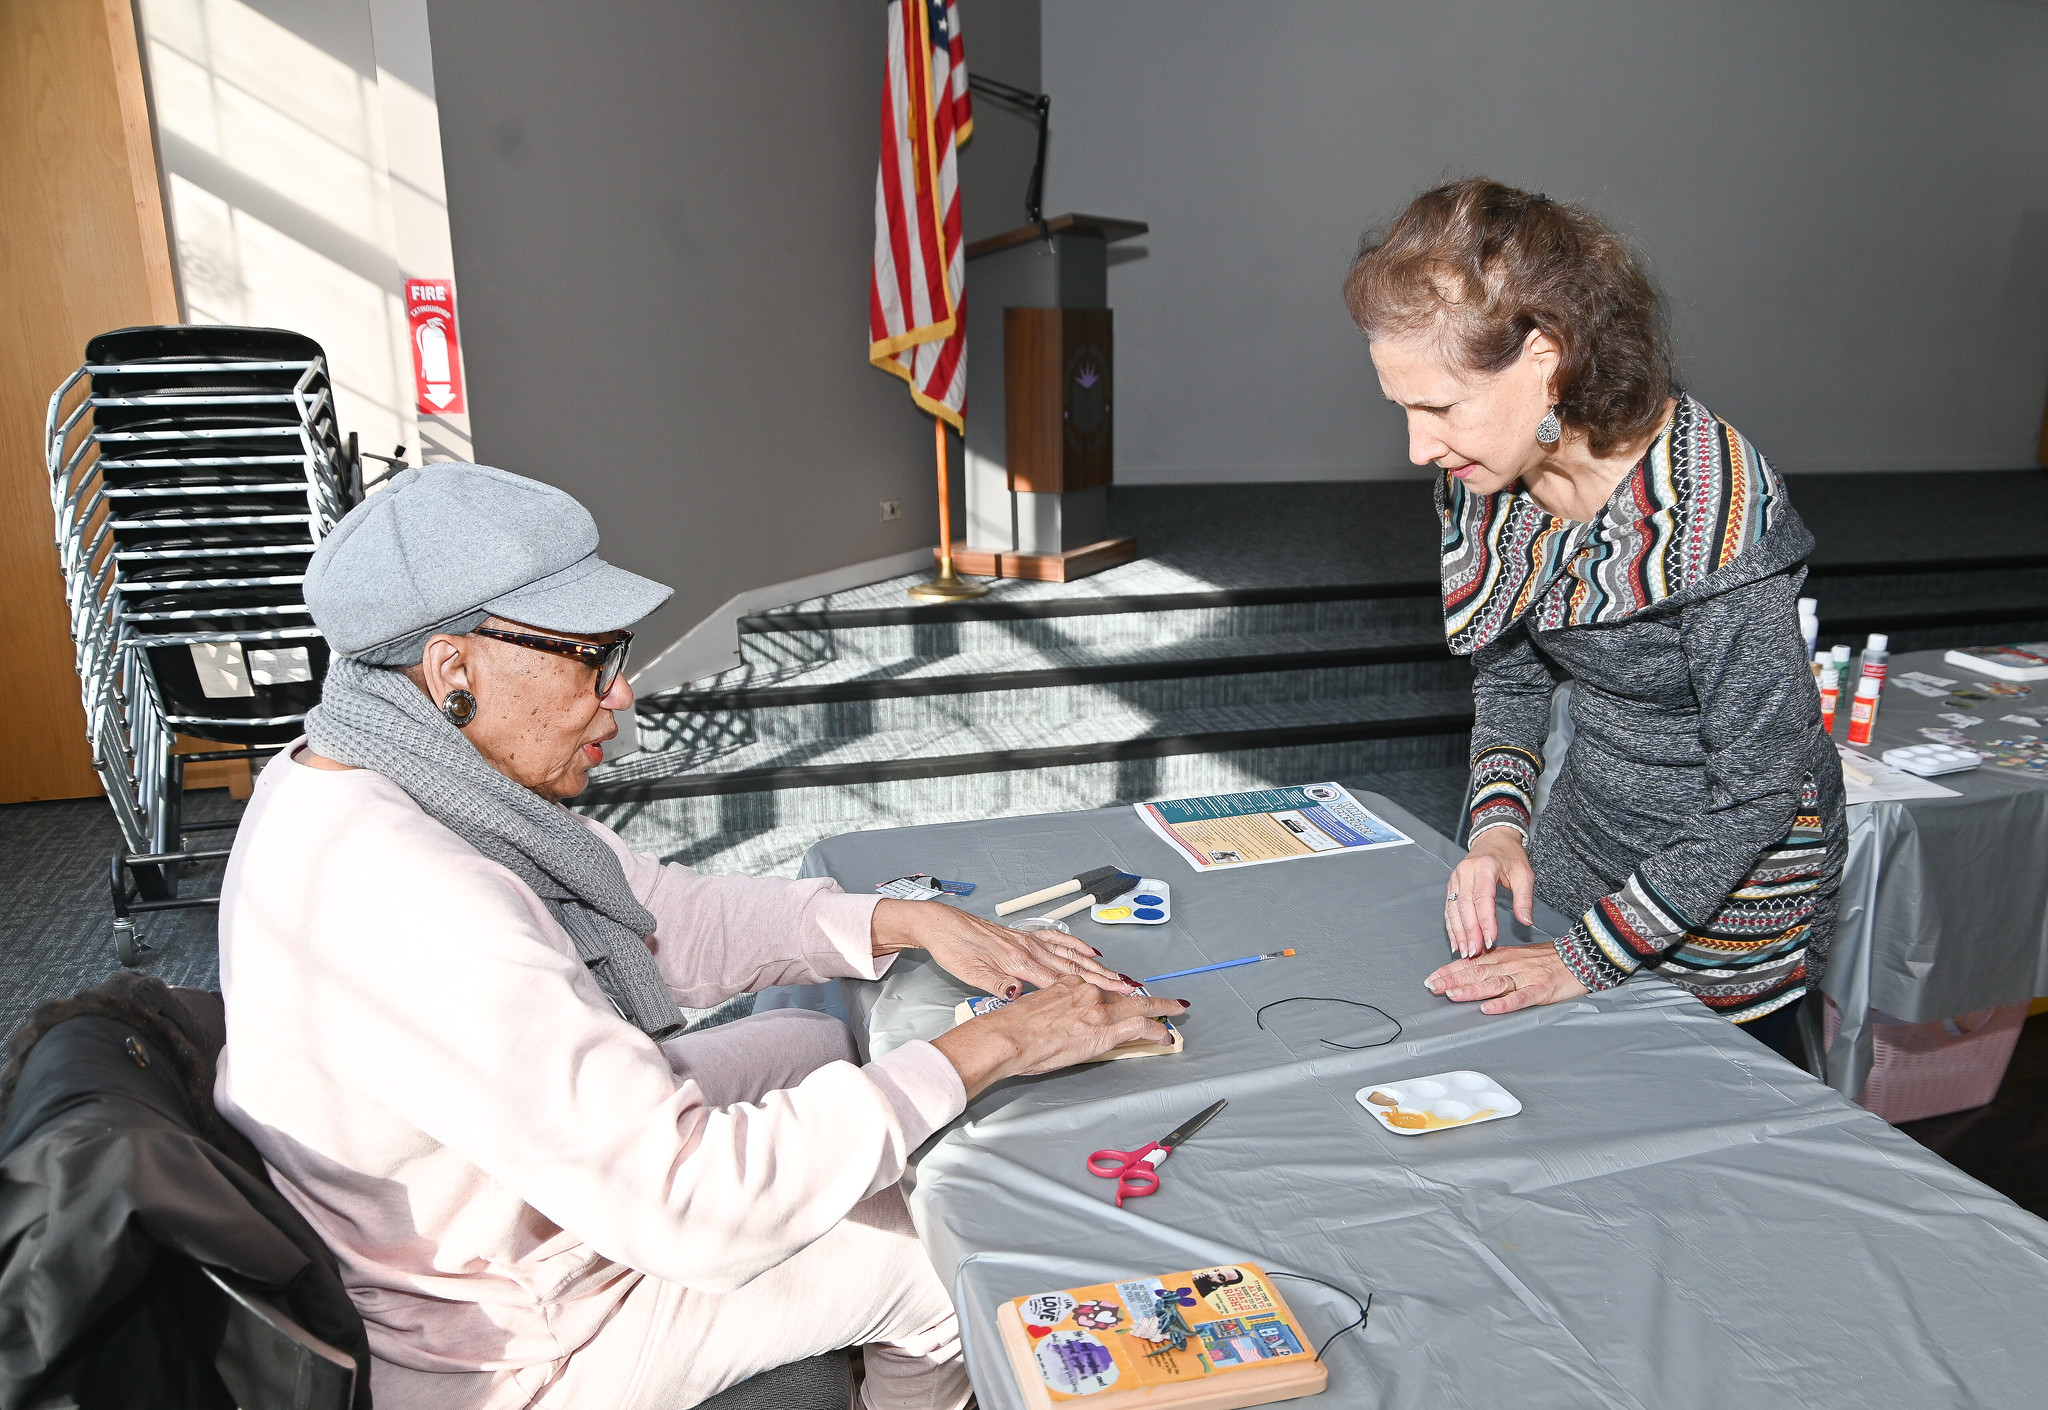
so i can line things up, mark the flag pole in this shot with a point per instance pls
(948, 586)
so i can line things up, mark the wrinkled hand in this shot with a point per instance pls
(991, 957)
(1066, 1022)
(1512, 977)
(1497, 859)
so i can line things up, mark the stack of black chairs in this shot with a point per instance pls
(193, 471)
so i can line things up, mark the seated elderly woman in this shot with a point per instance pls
(452, 1008)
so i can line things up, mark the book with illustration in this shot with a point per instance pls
(1207, 1339)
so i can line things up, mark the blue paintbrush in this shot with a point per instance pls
(1226, 964)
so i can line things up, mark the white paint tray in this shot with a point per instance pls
(1443, 1101)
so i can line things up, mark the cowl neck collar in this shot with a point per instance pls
(1691, 519)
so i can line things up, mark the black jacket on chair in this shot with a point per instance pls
(140, 1239)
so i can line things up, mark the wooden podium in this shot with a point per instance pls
(1040, 402)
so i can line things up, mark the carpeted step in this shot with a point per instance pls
(767, 832)
(1402, 723)
(1033, 703)
(1008, 666)
(782, 647)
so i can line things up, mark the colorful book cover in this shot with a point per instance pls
(1152, 1334)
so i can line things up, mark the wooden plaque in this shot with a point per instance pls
(1079, 1336)
(1057, 398)
(1041, 567)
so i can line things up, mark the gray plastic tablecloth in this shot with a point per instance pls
(1944, 900)
(1677, 1218)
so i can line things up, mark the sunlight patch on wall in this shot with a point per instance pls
(282, 199)
(240, 270)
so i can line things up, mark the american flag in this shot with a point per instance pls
(917, 300)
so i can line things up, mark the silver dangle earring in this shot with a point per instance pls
(1549, 430)
(459, 706)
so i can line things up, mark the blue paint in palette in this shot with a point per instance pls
(1151, 904)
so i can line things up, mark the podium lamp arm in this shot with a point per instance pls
(1034, 105)
(1034, 194)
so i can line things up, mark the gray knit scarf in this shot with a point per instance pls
(378, 719)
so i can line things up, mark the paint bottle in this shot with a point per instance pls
(1841, 655)
(1863, 710)
(1876, 652)
(1809, 622)
(1830, 690)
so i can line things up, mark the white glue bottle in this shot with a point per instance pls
(1830, 689)
(1809, 622)
(1863, 710)
(1876, 652)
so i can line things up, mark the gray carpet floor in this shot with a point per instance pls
(57, 935)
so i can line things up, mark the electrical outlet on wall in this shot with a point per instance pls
(891, 509)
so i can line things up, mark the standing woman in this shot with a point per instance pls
(1603, 527)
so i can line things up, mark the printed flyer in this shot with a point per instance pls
(1147, 1334)
(1225, 830)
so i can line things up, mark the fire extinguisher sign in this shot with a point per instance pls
(436, 355)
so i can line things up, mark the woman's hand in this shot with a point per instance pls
(1066, 1022)
(993, 958)
(1510, 978)
(1497, 859)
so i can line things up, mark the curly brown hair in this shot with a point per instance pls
(1480, 265)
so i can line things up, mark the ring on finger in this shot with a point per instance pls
(1512, 986)
(1453, 896)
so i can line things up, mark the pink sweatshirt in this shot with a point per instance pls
(445, 1093)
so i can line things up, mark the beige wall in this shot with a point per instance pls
(663, 221)
(303, 173)
(1846, 201)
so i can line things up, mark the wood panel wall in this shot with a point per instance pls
(1039, 349)
(83, 248)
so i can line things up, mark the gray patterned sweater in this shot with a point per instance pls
(1696, 826)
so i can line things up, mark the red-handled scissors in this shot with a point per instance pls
(1137, 1172)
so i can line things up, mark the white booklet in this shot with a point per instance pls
(2027, 661)
(1868, 780)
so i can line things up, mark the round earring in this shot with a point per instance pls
(1549, 430)
(459, 706)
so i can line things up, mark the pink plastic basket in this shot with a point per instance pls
(1932, 1069)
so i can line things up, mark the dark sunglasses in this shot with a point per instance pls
(608, 659)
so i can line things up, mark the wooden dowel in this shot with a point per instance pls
(945, 501)
(1020, 902)
(1068, 909)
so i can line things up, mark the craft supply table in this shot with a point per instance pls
(1677, 1217)
(1944, 900)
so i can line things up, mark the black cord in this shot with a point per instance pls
(1364, 1308)
(1260, 1019)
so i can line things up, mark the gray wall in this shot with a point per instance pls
(1846, 201)
(663, 220)
(1002, 39)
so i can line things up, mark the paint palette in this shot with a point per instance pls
(1150, 903)
(1437, 1103)
(1927, 760)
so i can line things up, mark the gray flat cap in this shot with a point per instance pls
(441, 548)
